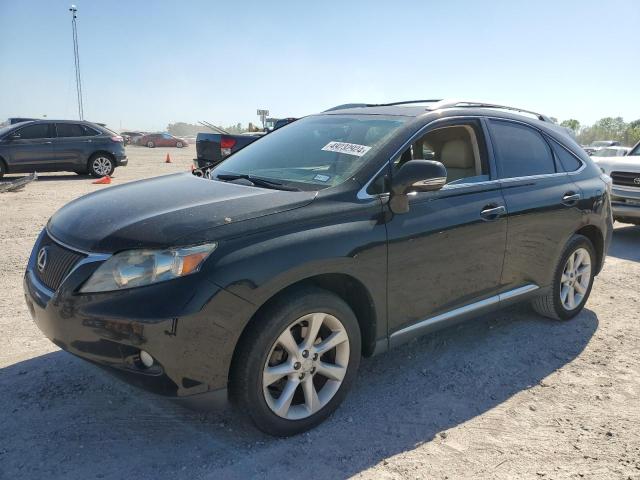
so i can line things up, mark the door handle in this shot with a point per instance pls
(47, 143)
(492, 212)
(571, 198)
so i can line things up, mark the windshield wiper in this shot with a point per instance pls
(258, 182)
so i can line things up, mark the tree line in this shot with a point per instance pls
(608, 128)
(182, 129)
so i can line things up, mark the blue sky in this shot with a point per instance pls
(148, 63)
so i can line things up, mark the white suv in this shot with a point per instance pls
(625, 173)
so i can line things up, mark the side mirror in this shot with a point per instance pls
(415, 176)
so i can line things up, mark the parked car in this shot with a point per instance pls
(612, 152)
(131, 137)
(600, 144)
(324, 241)
(212, 148)
(153, 140)
(60, 145)
(625, 174)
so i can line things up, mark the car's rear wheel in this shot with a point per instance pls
(294, 369)
(573, 279)
(101, 165)
(151, 144)
(179, 144)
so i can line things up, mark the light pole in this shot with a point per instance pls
(76, 58)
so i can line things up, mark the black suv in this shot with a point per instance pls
(60, 145)
(342, 235)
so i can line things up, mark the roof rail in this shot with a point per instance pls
(365, 105)
(466, 104)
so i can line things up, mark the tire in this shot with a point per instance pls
(151, 144)
(101, 165)
(567, 284)
(261, 349)
(179, 144)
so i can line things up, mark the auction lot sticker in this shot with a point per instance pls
(347, 148)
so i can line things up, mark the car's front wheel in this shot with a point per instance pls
(573, 279)
(179, 144)
(101, 165)
(296, 364)
(151, 144)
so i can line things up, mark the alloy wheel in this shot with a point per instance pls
(102, 166)
(306, 366)
(575, 279)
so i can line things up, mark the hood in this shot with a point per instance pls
(154, 213)
(629, 163)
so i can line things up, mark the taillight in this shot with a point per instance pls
(226, 142)
(117, 138)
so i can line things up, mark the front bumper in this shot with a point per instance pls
(625, 203)
(190, 327)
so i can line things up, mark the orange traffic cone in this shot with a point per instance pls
(106, 180)
(168, 159)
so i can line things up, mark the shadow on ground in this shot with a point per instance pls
(626, 243)
(62, 417)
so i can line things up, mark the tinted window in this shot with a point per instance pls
(69, 130)
(521, 151)
(40, 130)
(567, 160)
(88, 131)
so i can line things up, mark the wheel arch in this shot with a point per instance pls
(596, 237)
(101, 152)
(4, 164)
(345, 286)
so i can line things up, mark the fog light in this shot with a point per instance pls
(146, 359)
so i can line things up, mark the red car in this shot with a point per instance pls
(162, 140)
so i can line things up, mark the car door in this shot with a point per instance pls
(542, 202)
(30, 148)
(72, 145)
(447, 251)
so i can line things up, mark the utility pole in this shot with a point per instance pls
(76, 59)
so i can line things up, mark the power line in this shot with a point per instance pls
(76, 59)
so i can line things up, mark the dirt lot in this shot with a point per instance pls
(509, 395)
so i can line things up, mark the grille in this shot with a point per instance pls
(59, 262)
(627, 179)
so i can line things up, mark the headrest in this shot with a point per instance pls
(457, 154)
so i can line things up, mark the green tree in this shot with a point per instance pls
(572, 124)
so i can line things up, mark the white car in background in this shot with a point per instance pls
(611, 152)
(625, 173)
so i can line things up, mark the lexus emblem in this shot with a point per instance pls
(636, 180)
(42, 259)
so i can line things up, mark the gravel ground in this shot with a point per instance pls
(508, 395)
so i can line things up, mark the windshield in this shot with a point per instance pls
(4, 130)
(314, 152)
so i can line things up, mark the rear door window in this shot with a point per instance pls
(567, 160)
(33, 132)
(69, 130)
(521, 151)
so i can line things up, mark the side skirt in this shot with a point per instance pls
(459, 314)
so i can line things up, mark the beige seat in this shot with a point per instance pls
(457, 157)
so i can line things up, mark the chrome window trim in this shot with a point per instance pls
(363, 195)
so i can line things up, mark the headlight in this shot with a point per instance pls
(135, 268)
